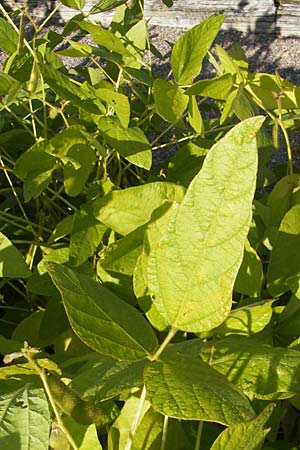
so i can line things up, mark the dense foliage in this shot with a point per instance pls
(145, 306)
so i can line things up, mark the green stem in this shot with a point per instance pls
(49, 16)
(33, 120)
(199, 435)
(164, 344)
(10, 21)
(138, 413)
(43, 377)
(280, 123)
(18, 119)
(136, 419)
(62, 199)
(16, 196)
(164, 433)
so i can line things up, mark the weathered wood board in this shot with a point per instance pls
(242, 15)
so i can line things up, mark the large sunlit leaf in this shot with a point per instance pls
(77, 168)
(184, 387)
(24, 413)
(192, 268)
(100, 319)
(12, 263)
(191, 48)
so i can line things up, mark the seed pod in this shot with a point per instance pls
(21, 33)
(82, 411)
(33, 80)
(58, 440)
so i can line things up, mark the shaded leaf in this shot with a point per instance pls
(106, 378)
(8, 37)
(100, 319)
(12, 263)
(26, 413)
(131, 142)
(245, 436)
(217, 88)
(184, 387)
(170, 100)
(86, 235)
(261, 371)
(250, 274)
(284, 266)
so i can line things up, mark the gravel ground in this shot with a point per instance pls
(265, 53)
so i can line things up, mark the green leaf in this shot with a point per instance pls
(187, 162)
(8, 37)
(191, 48)
(284, 93)
(100, 319)
(62, 142)
(250, 274)
(25, 412)
(105, 5)
(75, 4)
(35, 168)
(121, 210)
(194, 116)
(245, 436)
(85, 437)
(280, 199)
(218, 88)
(284, 266)
(155, 231)
(68, 90)
(170, 101)
(135, 41)
(120, 430)
(86, 236)
(106, 378)
(76, 177)
(148, 435)
(191, 274)
(247, 320)
(118, 102)
(6, 83)
(131, 142)
(122, 255)
(261, 371)
(104, 38)
(12, 264)
(287, 325)
(184, 387)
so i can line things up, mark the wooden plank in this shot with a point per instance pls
(242, 15)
